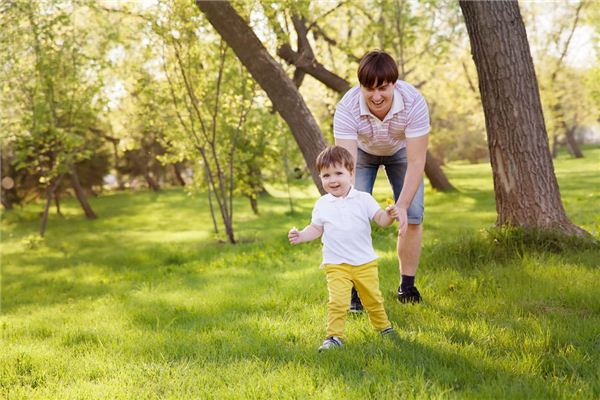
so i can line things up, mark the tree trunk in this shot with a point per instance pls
(210, 203)
(554, 146)
(572, 144)
(314, 69)
(433, 171)
(271, 77)
(87, 209)
(558, 108)
(8, 189)
(177, 173)
(152, 184)
(115, 144)
(253, 204)
(9, 196)
(49, 196)
(57, 204)
(436, 176)
(526, 189)
(229, 231)
(6, 203)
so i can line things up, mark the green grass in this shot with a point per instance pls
(145, 303)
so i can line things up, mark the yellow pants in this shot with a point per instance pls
(340, 278)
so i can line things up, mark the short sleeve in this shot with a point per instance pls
(418, 118)
(344, 125)
(372, 206)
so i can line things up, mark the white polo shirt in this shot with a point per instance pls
(407, 118)
(346, 227)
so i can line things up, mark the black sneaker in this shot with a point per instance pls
(410, 295)
(355, 303)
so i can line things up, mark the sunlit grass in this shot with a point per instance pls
(145, 303)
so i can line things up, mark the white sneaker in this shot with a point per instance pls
(331, 343)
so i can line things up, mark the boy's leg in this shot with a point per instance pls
(339, 284)
(367, 166)
(366, 280)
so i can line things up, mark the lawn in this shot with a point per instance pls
(145, 303)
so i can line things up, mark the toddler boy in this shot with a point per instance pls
(342, 217)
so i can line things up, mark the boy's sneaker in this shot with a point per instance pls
(355, 303)
(332, 342)
(390, 334)
(410, 295)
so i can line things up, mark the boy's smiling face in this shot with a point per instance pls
(336, 180)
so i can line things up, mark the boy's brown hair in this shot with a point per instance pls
(377, 67)
(334, 155)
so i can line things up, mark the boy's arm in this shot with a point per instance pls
(381, 218)
(311, 232)
(387, 217)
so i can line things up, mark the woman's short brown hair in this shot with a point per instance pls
(377, 67)
(334, 155)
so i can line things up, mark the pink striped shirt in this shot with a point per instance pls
(408, 118)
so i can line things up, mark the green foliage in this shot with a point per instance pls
(51, 88)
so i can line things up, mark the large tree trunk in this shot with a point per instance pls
(526, 189)
(87, 209)
(305, 62)
(271, 77)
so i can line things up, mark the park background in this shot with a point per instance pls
(149, 181)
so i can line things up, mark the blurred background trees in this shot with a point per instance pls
(100, 95)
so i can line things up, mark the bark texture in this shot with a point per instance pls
(526, 189)
(271, 77)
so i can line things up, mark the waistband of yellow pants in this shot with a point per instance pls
(373, 263)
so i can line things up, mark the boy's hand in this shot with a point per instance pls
(392, 211)
(294, 236)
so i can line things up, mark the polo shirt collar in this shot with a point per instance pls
(397, 105)
(352, 193)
